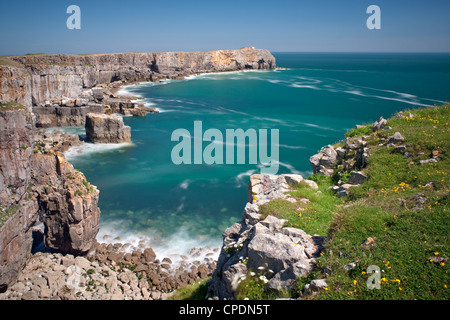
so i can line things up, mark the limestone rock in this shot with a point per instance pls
(102, 128)
(324, 161)
(357, 178)
(395, 138)
(379, 124)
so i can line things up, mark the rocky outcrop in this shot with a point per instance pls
(36, 185)
(110, 272)
(34, 80)
(263, 247)
(54, 115)
(17, 208)
(102, 128)
(67, 205)
(324, 161)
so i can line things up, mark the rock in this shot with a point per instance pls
(396, 138)
(149, 255)
(432, 160)
(355, 143)
(81, 102)
(379, 124)
(341, 152)
(292, 179)
(399, 149)
(82, 263)
(266, 187)
(357, 178)
(273, 224)
(312, 184)
(97, 94)
(102, 128)
(368, 243)
(315, 286)
(350, 266)
(62, 75)
(343, 191)
(324, 161)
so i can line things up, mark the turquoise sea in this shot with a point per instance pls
(313, 102)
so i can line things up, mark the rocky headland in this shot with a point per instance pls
(48, 207)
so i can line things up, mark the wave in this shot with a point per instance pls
(291, 147)
(240, 177)
(179, 246)
(89, 148)
(185, 184)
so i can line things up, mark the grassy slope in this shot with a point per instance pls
(385, 208)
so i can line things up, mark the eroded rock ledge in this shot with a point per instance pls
(264, 246)
(102, 128)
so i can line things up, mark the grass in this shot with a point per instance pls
(196, 291)
(315, 216)
(5, 214)
(407, 233)
(11, 106)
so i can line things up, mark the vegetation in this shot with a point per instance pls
(8, 106)
(196, 291)
(403, 209)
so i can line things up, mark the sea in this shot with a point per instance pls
(312, 100)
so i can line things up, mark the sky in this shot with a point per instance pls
(193, 25)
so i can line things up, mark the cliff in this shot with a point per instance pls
(38, 79)
(39, 187)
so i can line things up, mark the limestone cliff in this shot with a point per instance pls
(37, 186)
(37, 79)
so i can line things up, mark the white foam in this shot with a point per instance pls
(179, 247)
(185, 184)
(291, 147)
(87, 148)
(240, 177)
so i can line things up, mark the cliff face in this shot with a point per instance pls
(17, 210)
(39, 187)
(35, 79)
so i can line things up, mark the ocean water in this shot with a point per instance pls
(313, 102)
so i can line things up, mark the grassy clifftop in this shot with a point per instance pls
(396, 222)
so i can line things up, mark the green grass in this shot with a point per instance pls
(5, 214)
(385, 208)
(314, 217)
(365, 130)
(196, 291)
(11, 106)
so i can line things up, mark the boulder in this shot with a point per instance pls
(395, 138)
(324, 161)
(379, 124)
(102, 128)
(315, 286)
(357, 178)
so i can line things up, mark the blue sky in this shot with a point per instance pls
(187, 25)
